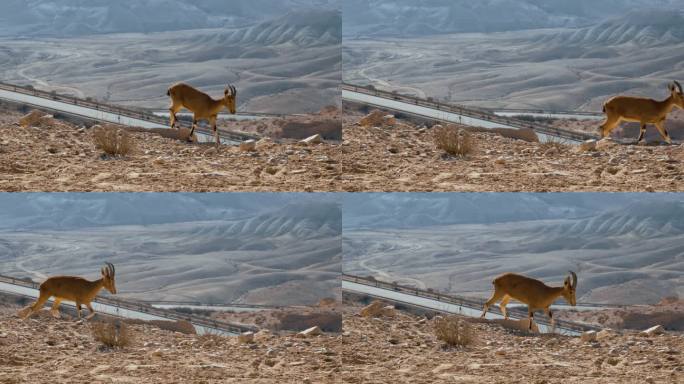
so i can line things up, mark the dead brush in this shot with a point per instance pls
(112, 335)
(113, 141)
(454, 141)
(453, 331)
(556, 143)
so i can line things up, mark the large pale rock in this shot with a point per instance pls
(587, 146)
(313, 331)
(248, 146)
(653, 331)
(315, 139)
(246, 338)
(265, 142)
(589, 336)
(31, 118)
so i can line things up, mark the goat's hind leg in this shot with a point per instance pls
(42, 299)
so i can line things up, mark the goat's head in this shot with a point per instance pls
(230, 98)
(570, 288)
(108, 277)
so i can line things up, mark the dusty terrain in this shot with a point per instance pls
(285, 64)
(668, 312)
(629, 254)
(226, 248)
(404, 158)
(61, 156)
(404, 349)
(46, 350)
(326, 315)
(561, 69)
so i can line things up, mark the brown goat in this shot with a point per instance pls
(200, 104)
(534, 293)
(72, 288)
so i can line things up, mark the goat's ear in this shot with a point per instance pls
(104, 273)
(567, 281)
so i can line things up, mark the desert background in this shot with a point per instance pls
(528, 54)
(283, 56)
(270, 249)
(625, 248)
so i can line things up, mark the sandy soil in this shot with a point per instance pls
(46, 350)
(404, 158)
(404, 350)
(62, 157)
(668, 313)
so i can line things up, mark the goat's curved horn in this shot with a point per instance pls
(233, 90)
(676, 83)
(574, 279)
(111, 269)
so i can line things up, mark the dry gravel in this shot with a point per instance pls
(47, 350)
(403, 157)
(59, 156)
(404, 349)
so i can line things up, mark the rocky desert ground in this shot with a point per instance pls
(46, 350)
(59, 156)
(402, 348)
(402, 156)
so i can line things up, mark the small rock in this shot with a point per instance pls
(315, 139)
(653, 331)
(589, 336)
(313, 331)
(246, 338)
(248, 146)
(587, 146)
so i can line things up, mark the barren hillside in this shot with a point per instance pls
(404, 349)
(46, 350)
(403, 157)
(60, 156)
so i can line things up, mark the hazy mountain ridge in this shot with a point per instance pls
(422, 210)
(427, 17)
(45, 211)
(77, 17)
(645, 27)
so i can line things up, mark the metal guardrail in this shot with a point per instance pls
(522, 111)
(198, 304)
(146, 308)
(127, 112)
(461, 301)
(481, 114)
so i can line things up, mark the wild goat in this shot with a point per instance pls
(642, 110)
(72, 288)
(201, 105)
(534, 293)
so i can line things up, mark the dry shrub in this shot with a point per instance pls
(554, 142)
(455, 332)
(112, 335)
(113, 141)
(454, 140)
